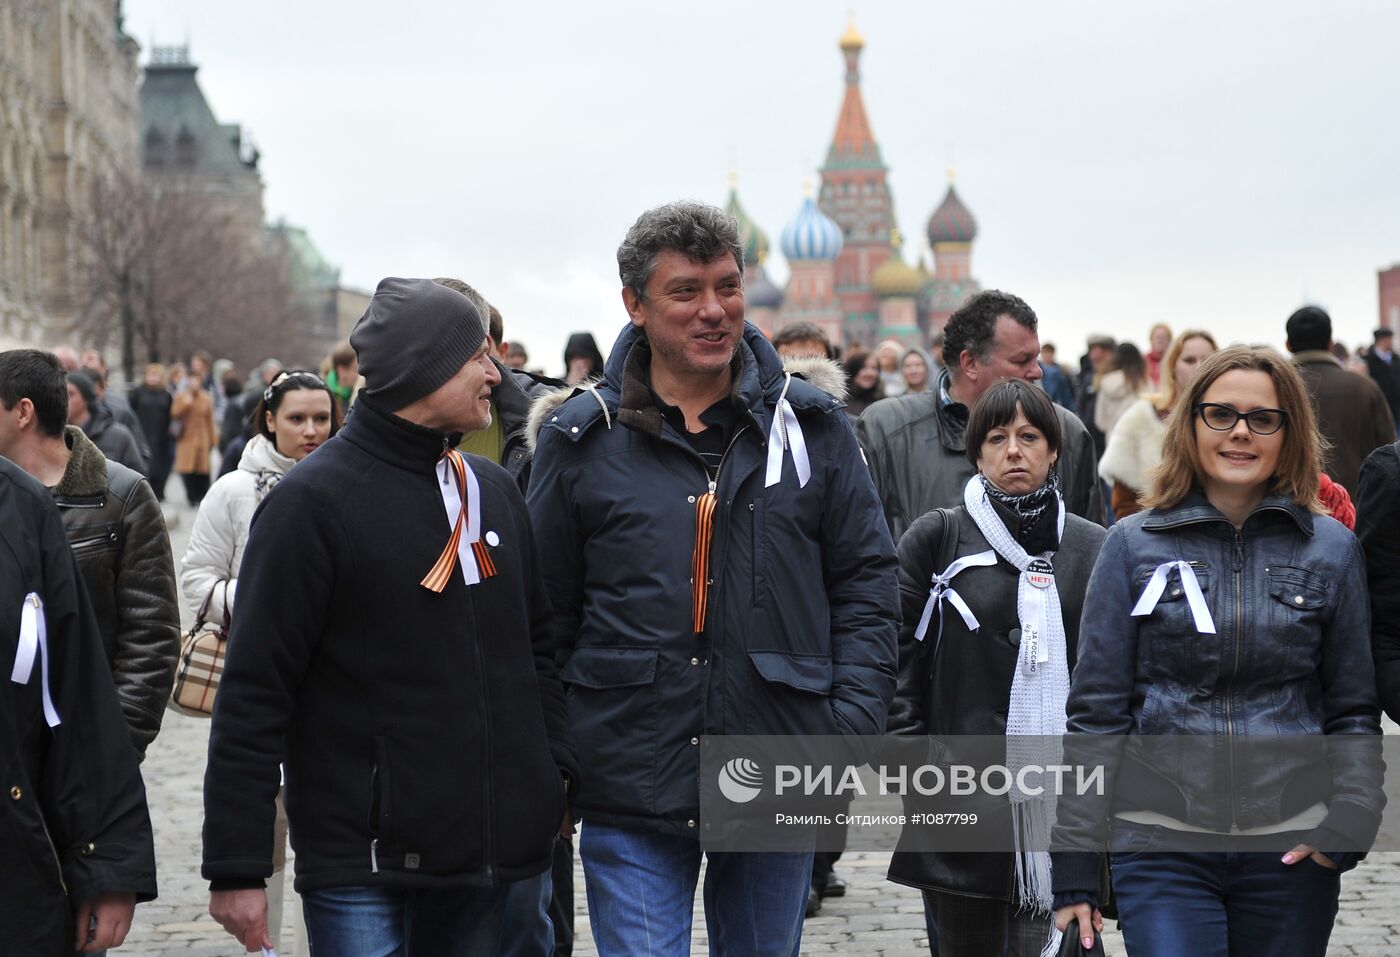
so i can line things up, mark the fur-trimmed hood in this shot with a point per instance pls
(86, 474)
(825, 374)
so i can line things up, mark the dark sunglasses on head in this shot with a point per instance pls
(1222, 418)
(286, 378)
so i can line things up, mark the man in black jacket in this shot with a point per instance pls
(1378, 527)
(1384, 369)
(392, 647)
(76, 852)
(713, 572)
(115, 528)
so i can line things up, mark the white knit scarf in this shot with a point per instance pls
(1039, 690)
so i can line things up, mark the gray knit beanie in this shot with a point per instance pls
(414, 336)
(83, 383)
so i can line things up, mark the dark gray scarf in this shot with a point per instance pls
(1035, 534)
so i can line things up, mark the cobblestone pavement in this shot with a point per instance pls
(874, 918)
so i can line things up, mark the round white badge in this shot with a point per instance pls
(1040, 573)
(493, 539)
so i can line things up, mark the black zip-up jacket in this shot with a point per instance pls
(1378, 527)
(117, 532)
(800, 632)
(73, 817)
(1291, 656)
(424, 733)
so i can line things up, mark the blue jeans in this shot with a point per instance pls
(526, 928)
(641, 894)
(404, 921)
(1218, 904)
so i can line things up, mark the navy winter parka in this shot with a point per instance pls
(800, 636)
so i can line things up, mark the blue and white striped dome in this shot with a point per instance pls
(812, 235)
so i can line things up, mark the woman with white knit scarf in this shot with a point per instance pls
(991, 620)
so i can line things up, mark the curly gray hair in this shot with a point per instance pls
(703, 233)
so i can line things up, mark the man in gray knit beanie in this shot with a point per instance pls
(414, 336)
(417, 589)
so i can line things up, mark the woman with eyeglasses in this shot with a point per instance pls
(1233, 611)
(294, 417)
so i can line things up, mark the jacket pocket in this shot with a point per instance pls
(810, 673)
(600, 668)
(1171, 640)
(794, 696)
(1296, 611)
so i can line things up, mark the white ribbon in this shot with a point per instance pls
(784, 434)
(34, 642)
(1153, 593)
(447, 484)
(942, 590)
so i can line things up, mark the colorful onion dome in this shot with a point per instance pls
(761, 293)
(951, 222)
(895, 277)
(812, 235)
(753, 239)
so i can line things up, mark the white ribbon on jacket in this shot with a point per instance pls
(34, 642)
(1035, 717)
(471, 534)
(1153, 594)
(784, 434)
(942, 591)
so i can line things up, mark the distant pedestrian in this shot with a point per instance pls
(1159, 340)
(87, 412)
(151, 403)
(916, 370)
(865, 386)
(1352, 413)
(342, 374)
(1121, 384)
(1054, 379)
(1378, 527)
(193, 409)
(582, 360)
(1381, 363)
(1135, 444)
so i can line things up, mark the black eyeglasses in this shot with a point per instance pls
(1222, 418)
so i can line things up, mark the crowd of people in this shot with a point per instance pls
(472, 606)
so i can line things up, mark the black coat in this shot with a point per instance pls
(1378, 527)
(800, 632)
(152, 410)
(965, 687)
(1387, 376)
(424, 733)
(73, 817)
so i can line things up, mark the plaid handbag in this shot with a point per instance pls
(201, 663)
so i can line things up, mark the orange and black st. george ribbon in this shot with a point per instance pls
(700, 560)
(441, 573)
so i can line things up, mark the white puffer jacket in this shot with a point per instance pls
(1134, 446)
(221, 528)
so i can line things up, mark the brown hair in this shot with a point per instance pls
(1300, 459)
(1167, 397)
(997, 407)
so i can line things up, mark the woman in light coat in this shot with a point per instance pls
(296, 415)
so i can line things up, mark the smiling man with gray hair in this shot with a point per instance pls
(713, 572)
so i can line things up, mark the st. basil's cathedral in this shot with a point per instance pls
(848, 274)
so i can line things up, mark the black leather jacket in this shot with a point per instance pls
(117, 532)
(1291, 656)
(964, 686)
(914, 445)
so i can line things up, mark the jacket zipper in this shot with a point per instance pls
(58, 864)
(1237, 562)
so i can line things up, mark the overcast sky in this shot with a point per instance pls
(1203, 163)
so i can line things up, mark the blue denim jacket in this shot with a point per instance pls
(1290, 656)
